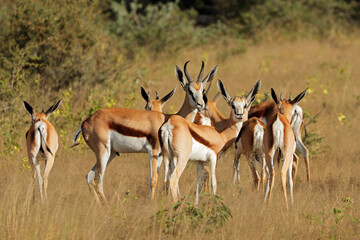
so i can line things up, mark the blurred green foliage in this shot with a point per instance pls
(53, 48)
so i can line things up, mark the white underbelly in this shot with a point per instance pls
(200, 152)
(125, 144)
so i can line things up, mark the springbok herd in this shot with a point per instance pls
(197, 132)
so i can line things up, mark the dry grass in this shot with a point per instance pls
(330, 69)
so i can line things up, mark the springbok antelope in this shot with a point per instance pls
(110, 131)
(183, 141)
(42, 137)
(265, 110)
(297, 124)
(279, 135)
(250, 143)
(156, 104)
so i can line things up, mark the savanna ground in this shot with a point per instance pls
(327, 208)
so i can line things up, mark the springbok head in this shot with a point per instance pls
(239, 105)
(285, 106)
(41, 115)
(195, 90)
(156, 104)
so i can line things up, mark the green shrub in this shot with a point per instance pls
(212, 214)
(304, 17)
(156, 27)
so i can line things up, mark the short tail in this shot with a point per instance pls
(44, 145)
(258, 137)
(165, 142)
(76, 136)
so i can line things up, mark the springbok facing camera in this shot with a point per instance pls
(183, 141)
(279, 135)
(42, 137)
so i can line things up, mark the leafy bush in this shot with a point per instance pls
(340, 222)
(302, 17)
(212, 213)
(156, 27)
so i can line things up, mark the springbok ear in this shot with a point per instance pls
(146, 96)
(180, 76)
(223, 91)
(206, 91)
(210, 76)
(299, 97)
(53, 108)
(253, 91)
(205, 101)
(274, 97)
(168, 96)
(29, 109)
(248, 104)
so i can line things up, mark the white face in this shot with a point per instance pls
(238, 107)
(195, 92)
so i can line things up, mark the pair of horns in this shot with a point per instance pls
(283, 99)
(200, 73)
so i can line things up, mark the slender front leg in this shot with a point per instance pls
(154, 173)
(213, 175)
(199, 182)
(305, 152)
(237, 168)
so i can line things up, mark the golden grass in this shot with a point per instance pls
(330, 69)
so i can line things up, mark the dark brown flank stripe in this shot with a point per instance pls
(198, 138)
(127, 131)
(131, 132)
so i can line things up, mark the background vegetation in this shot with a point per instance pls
(96, 54)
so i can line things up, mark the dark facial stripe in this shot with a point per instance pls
(192, 95)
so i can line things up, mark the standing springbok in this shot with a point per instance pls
(297, 124)
(42, 137)
(266, 109)
(183, 141)
(156, 104)
(110, 131)
(279, 135)
(250, 143)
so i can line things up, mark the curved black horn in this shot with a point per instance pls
(290, 96)
(186, 73)
(201, 72)
(157, 95)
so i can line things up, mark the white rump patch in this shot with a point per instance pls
(278, 133)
